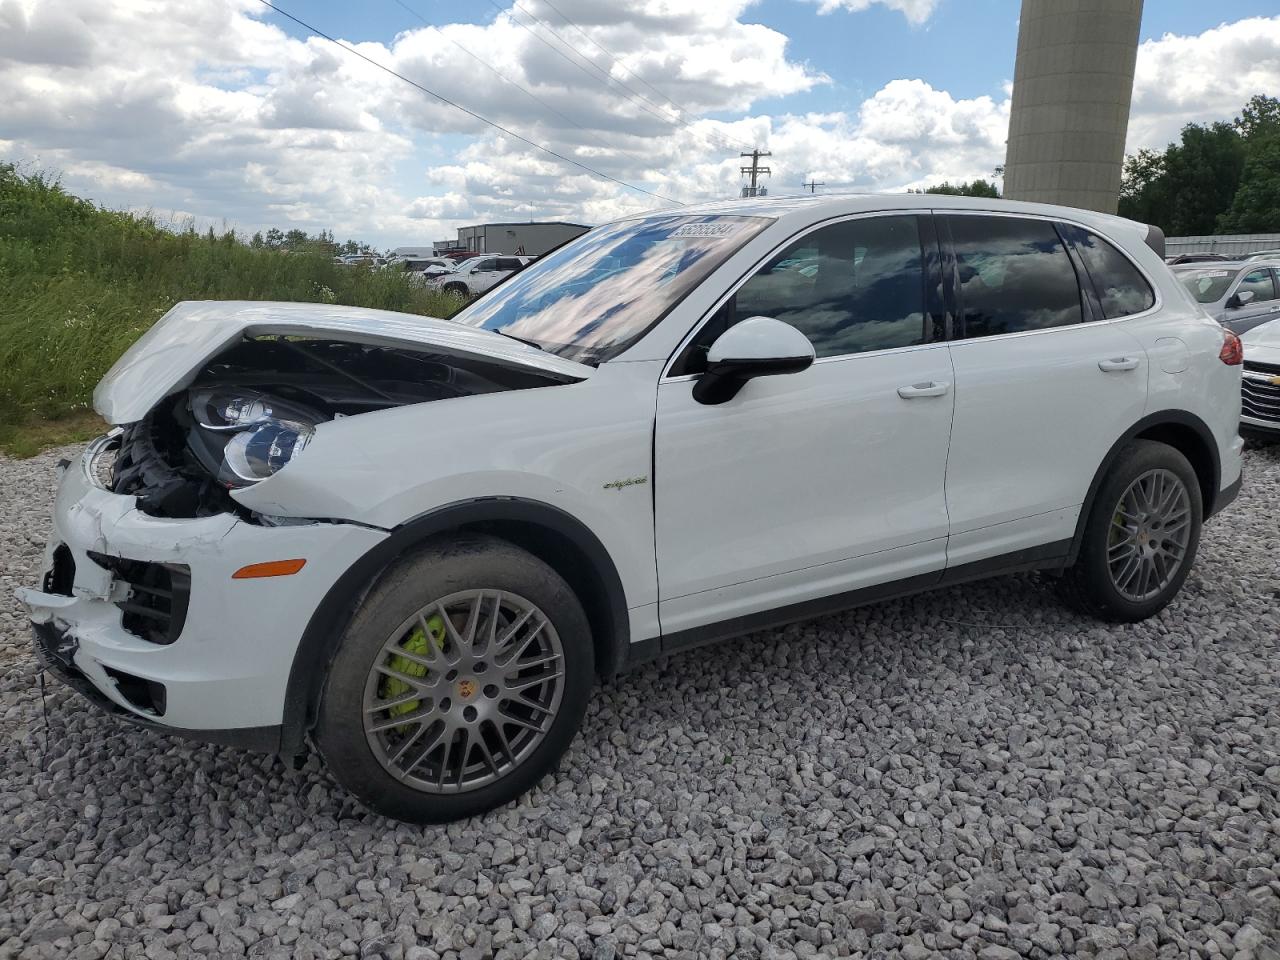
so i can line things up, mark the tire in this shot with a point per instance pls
(458, 290)
(507, 581)
(1108, 551)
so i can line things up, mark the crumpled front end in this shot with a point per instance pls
(147, 614)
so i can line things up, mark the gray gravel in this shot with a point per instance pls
(976, 772)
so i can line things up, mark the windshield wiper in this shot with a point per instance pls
(512, 336)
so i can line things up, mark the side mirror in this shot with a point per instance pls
(756, 347)
(1239, 299)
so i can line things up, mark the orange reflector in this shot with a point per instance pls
(272, 568)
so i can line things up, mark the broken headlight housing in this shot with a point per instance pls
(264, 448)
(266, 432)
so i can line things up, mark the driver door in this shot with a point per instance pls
(813, 484)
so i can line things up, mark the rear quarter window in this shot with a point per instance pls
(1122, 289)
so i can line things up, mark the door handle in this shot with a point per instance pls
(1118, 363)
(930, 388)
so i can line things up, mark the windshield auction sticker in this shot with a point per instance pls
(715, 231)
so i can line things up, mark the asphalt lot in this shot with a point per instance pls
(976, 772)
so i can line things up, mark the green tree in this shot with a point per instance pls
(1259, 118)
(275, 238)
(1142, 188)
(296, 239)
(978, 188)
(1256, 207)
(1184, 189)
(257, 242)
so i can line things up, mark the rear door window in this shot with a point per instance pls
(1014, 275)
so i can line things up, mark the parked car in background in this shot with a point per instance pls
(1194, 258)
(360, 260)
(474, 276)
(1239, 295)
(1260, 384)
(1263, 255)
(423, 268)
(417, 543)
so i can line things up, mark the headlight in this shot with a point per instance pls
(224, 410)
(266, 432)
(261, 450)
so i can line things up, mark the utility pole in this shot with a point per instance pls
(754, 171)
(813, 187)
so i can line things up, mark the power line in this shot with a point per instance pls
(501, 76)
(631, 73)
(813, 185)
(722, 144)
(471, 113)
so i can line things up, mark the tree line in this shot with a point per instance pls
(1218, 178)
(296, 240)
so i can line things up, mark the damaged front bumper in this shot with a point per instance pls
(141, 614)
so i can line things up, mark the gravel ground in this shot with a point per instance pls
(975, 772)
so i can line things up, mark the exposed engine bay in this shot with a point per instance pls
(255, 405)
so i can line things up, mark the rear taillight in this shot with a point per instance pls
(1232, 352)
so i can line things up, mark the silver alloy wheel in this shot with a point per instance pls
(1150, 529)
(464, 691)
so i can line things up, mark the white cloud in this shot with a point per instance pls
(916, 11)
(206, 107)
(1201, 78)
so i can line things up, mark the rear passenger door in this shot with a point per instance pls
(1045, 384)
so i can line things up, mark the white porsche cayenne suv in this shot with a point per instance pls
(416, 543)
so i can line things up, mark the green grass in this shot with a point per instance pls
(78, 284)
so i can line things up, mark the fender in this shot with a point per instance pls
(324, 629)
(1181, 418)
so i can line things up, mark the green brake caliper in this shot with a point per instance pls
(420, 642)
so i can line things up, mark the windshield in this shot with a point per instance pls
(595, 296)
(1207, 286)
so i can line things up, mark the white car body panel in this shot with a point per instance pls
(169, 355)
(388, 467)
(1015, 455)
(1262, 345)
(801, 487)
(230, 666)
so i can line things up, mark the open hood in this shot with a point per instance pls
(171, 354)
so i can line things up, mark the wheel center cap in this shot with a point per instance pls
(467, 688)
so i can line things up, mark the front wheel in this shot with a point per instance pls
(1140, 538)
(459, 683)
(457, 289)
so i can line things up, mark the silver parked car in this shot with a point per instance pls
(1238, 295)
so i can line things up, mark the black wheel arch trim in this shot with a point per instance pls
(324, 629)
(1180, 418)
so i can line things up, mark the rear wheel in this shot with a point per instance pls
(1141, 536)
(459, 683)
(457, 289)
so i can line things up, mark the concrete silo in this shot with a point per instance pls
(1072, 84)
